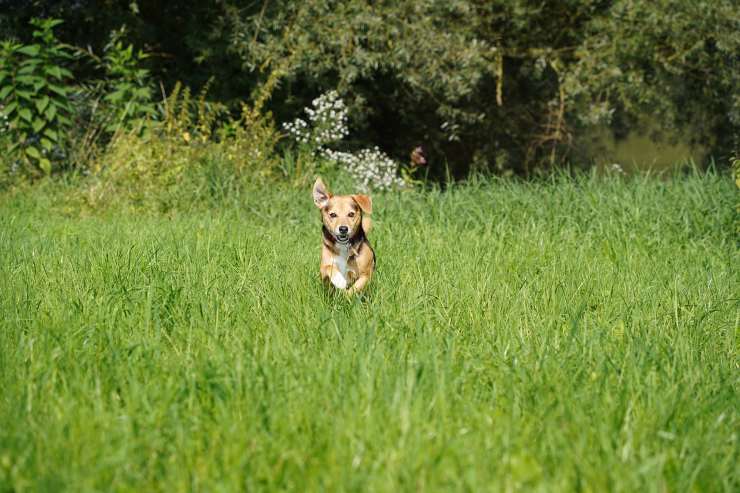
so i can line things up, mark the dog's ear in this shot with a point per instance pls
(367, 224)
(365, 203)
(320, 194)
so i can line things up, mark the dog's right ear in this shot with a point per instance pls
(321, 195)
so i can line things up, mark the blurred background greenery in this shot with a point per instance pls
(512, 87)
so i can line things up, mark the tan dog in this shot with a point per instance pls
(347, 259)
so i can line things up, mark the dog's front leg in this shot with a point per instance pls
(331, 274)
(360, 283)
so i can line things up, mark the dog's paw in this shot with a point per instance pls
(338, 280)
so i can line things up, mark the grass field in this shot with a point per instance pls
(561, 335)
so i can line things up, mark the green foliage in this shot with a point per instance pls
(191, 119)
(35, 97)
(735, 164)
(118, 99)
(128, 85)
(674, 60)
(559, 336)
(504, 84)
(194, 147)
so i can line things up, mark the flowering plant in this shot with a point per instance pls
(326, 124)
(372, 169)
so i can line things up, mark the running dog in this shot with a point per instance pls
(347, 259)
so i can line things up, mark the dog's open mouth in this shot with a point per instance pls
(342, 238)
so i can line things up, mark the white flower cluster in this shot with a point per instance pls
(371, 168)
(616, 168)
(298, 130)
(328, 122)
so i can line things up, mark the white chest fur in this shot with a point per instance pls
(339, 276)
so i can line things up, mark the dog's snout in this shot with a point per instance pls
(343, 230)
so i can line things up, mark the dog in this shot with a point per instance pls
(347, 259)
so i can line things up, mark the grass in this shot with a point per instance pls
(574, 334)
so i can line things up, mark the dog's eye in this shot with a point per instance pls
(351, 214)
(333, 214)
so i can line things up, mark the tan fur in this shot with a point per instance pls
(366, 204)
(348, 264)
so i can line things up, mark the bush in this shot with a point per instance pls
(326, 125)
(502, 85)
(128, 84)
(111, 128)
(35, 99)
(192, 152)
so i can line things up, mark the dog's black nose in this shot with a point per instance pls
(343, 230)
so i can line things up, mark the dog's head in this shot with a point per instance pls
(343, 215)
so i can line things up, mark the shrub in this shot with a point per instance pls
(120, 98)
(503, 84)
(371, 169)
(326, 124)
(36, 98)
(128, 84)
(193, 151)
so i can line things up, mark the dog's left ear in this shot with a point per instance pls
(320, 194)
(365, 203)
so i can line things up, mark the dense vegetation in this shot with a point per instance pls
(501, 86)
(555, 335)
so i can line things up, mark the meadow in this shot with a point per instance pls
(563, 334)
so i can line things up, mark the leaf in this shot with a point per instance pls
(9, 108)
(31, 63)
(25, 113)
(30, 50)
(65, 54)
(33, 152)
(27, 79)
(51, 112)
(28, 69)
(54, 71)
(5, 91)
(47, 144)
(45, 165)
(42, 103)
(61, 104)
(38, 124)
(62, 91)
(115, 96)
(51, 133)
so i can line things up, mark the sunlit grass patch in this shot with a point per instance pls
(517, 336)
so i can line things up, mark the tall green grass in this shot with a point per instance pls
(561, 335)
